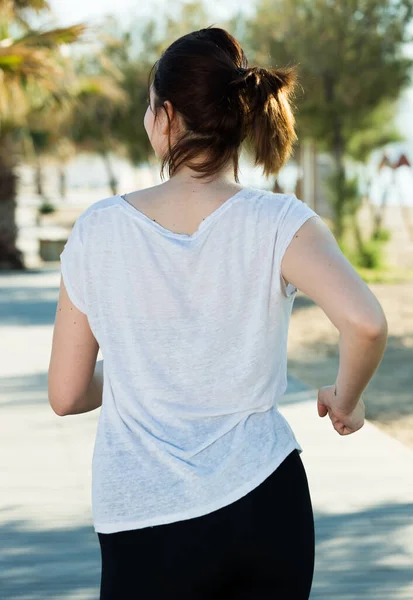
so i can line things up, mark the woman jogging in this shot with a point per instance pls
(198, 488)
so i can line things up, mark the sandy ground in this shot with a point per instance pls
(313, 357)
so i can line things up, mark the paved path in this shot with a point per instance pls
(361, 485)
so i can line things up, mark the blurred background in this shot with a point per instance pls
(73, 90)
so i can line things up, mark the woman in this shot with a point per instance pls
(198, 488)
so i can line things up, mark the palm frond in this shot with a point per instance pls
(27, 74)
(36, 5)
(17, 10)
(54, 37)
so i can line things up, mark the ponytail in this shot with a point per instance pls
(269, 123)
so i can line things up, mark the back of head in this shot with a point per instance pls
(223, 102)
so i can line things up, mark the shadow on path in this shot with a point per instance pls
(354, 557)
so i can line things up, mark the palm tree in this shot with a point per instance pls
(33, 73)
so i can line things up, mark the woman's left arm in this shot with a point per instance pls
(75, 379)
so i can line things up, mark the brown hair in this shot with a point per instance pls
(223, 102)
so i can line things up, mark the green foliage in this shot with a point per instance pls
(46, 208)
(349, 57)
(128, 126)
(383, 235)
(344, 205)
(134, 55)
(385, 275)
(367, 254)
(40, 140)
(378, 130)
(352, 194)
(184, 18)
(98, 102)
(370, 256)
(351, 67)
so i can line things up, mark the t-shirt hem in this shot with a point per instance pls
(206, 509)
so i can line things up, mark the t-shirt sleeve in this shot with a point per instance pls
(72, 267)
(293, 215)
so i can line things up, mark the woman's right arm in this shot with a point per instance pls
(314, 263)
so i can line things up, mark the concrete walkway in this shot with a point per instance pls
(361, 485)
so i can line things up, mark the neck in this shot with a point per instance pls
(185, 177)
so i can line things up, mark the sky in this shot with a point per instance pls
(70, 11)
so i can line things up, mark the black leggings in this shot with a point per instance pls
(259, 547)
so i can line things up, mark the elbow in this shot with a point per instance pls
(58, 407)
(370, 323)
(60, 413)
(59, 404)
(55, 399)
(62, 395)
(375, 331)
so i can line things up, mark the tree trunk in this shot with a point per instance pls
(62, 181)
(38, 177)
(113, 182)
(339, 205)
(357, 235)
(341, 194)
(315, 175)
(338, 154)
(10, 256)
(381, 210)
(298, 191)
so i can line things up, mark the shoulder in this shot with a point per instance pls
(281, 214)
(281, 201)
(98, 207)
(100, 211)
(286, 205)
(90, 218)
(273, 199)
(277, 204)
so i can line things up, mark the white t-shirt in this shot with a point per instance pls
(193, 331)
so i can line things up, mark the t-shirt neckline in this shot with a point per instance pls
(183, 236)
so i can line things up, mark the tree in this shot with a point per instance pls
(378, 131)
(134, 55)
(99, 102)
(350, 60)
(32, 71)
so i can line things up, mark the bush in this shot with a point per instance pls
(46, 208)
(382, 235)
(371, 256)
